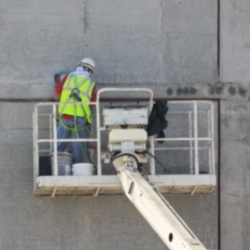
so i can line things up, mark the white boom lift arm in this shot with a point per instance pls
(147, 199)
(126, 147)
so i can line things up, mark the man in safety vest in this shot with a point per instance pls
(74, 118)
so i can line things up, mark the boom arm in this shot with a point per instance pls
(155, 209)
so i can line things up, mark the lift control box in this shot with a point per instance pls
(125, 117)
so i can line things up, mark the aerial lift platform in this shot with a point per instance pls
(128, 149)
(187, 151)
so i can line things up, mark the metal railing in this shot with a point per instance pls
(52, 134)
(193, 137)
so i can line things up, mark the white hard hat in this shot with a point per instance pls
(88, 63)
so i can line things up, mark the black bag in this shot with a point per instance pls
(157, 121)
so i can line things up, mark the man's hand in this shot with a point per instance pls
(56, 96)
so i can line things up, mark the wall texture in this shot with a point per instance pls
(235, 37)
(168, 45)
(65, 223)
(133, 42)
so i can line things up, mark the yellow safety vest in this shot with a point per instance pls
(76, 89)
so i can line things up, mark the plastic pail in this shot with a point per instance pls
(83, 169)
(64, 160)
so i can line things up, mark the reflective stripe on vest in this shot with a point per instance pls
(85, 88)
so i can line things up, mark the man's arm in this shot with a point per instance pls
(58, 89)
(94, 96)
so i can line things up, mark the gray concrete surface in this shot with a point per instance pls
(235, 37)
(168, 45)
(28, 222)
(133, 42)
(235, 175)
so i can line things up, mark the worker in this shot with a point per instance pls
(74, 118)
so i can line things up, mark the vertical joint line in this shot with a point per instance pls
(218, 37)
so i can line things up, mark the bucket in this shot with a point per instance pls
(83, 169)
(64, 160)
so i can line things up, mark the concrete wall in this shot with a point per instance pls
(235, 174)
(65, 223)
(235, 59)
(157, 42)
(235, 37)
(168, 45)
